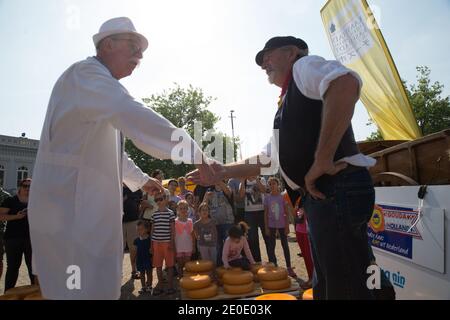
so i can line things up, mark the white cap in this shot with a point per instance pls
(118, 26)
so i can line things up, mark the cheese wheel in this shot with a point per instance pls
(272, 273)
(195, 282)
(239, 289)
(237, 277)
(276, 296)
(203, 293)
(308, 295)
(10, 297)
(191, 274)
(34, 296)
(255, 267)
(276, 284)
(221, 270)
(23, 291)
(199, 266)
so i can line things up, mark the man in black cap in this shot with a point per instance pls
(319, 159)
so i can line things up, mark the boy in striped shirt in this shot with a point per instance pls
(163, 242)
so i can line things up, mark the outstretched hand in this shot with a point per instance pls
(209, 172)
(152, 187)
(318, 169)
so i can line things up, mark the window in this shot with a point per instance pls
(2, 176)
(22, 173)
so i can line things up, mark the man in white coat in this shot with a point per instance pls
(75, 206)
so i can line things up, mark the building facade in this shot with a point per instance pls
(17, 158)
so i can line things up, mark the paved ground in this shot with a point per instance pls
(131, 287)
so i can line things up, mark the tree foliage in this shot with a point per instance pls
(182, 107)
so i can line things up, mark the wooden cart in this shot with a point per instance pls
(424, 161)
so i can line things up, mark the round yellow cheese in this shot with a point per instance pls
(34, 296)
(203, 293)
(276, 284)
(221, 270)
(195, 282)
(237, 277)
(272, 273)
(276, 296)
(239, 289)
(255, 267)
(23, 291)
(308, 295)
(199, 266)
(190, 274)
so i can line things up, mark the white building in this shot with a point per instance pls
(17, 157)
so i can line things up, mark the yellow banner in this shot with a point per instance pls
(357, 43)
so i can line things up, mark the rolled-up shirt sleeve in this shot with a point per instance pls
(313, 75)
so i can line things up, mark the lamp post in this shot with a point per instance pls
(232, 133)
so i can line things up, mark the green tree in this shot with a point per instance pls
(375, 136)
(182, 107)
(431, 110)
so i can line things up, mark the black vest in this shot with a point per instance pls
(299, 121)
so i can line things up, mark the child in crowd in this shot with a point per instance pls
(142, 246)
(205, 232)
(163, 242)
(189, 197)
(233, 246)
(184, 237)
(276, 220)
(301, 232)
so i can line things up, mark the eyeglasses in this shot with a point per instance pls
(25, 186)
(159, 199)
(131, 43)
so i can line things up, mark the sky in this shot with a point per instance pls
(210, 44)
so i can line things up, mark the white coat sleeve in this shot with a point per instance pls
(270, 153)
(103, 98)
(133, 176)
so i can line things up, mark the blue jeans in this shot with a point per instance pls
(255, 220)
(338, 234)
(222, 234)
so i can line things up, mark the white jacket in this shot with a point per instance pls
(75, 205)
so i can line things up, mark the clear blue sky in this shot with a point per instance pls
(209, 44)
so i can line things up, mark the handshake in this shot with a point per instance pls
(209, 172)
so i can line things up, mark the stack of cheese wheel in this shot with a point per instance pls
(273, 278)
(199, 286)
(220, 271)
(238, 282)
(197, 281)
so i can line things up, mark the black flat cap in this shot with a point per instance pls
(278, 42)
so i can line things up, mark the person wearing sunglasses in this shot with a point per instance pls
(17, 234)
(81, 165)
(163, 242)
